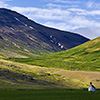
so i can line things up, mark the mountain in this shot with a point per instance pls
(22, 37)
(85, 57)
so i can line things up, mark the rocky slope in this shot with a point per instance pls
(20, 35)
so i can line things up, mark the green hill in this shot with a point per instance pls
(58, 70)
(22, 76)
(84, 57)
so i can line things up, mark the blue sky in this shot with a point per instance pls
(80, 16)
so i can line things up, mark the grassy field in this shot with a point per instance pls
(27, 76)
(49, 95)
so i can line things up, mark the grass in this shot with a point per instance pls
(19, 74)
(65, 68)
(49, 95)
(84, 57)
(20, 49)
(12, 72)
(58, 70)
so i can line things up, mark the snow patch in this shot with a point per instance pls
(59, 44)
(20, 21)
(52, 41)
(25, 24)
(12, 28)
(31, 27)
(17, 19)
(62, 47)
(51, 36)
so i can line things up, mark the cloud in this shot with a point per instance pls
(90, 3)
(85, 12)
(59, 25)
(94, 12)
(51, 5)
(76, 9)
(46, 14)
(84, 22)
(3, 4)
(90, 32)
(67, 1)
(93, 4)
(59, 6)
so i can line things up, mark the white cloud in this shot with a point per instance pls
(76, 9)
(85, 12)
(84, 22)
(50, 5)
(58, 6)
(93, 4)
(67, 1)
(90, 3)
(89, 13)
(90, 32)
(2, 4)
(61, 26)
(94, 12)
(46, 14)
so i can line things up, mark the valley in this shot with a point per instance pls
(33, 56)
(16, 75)
(78, 65)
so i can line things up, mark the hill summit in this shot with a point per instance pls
(20, 35)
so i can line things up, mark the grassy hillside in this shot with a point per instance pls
(15, 75)
(84, 57)
(14, 52)
(22, 76)
(59, 70)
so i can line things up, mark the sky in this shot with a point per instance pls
(78, 16)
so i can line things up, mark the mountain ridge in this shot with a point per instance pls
(23, 34)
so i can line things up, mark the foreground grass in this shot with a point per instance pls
(49, 95)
